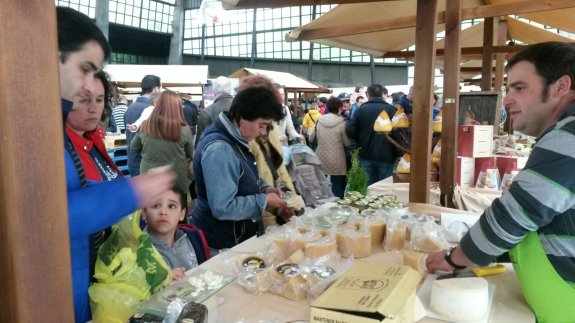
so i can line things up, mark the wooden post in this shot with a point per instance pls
(35, 268)
(500, 57)
(422, 104)
(487, 54)
(450, 102)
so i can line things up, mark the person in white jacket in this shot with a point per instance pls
(285, 127)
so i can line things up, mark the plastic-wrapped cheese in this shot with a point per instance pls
(297, 257)
(320, 247)
(460, 299)
(261, 281)
(376, 227)
(280, 244)
(395, 236)
(298, 243)
(415, 260)
(428, 243)
(356, 243)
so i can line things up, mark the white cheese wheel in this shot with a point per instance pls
(460, 299)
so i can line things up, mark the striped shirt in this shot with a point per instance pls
(118, 115)
(541, 198)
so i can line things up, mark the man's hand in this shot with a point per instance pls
(151, 185)
(436, 261)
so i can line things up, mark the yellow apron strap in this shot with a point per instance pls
(550, 297)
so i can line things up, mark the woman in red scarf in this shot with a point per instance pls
(86, 137)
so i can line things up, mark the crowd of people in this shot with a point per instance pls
(234, 170)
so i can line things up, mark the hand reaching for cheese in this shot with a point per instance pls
(436, 261)
(285, 213)
(178, 273)
(274, 200)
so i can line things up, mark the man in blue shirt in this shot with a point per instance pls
(92, 207)
(150, 84)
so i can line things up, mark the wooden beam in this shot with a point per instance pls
(36, 283)
(450, 109)
(471, 69)
(425, 32)
(247, 4)
(493, 10)
(500, 58)
(465, 52)
(487, 59)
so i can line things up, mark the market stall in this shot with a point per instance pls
(291, 83)
(184, 79)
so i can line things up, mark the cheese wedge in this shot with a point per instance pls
(356, 243)
(316, 249)
(427, 243)
(414, 259)
(382, 123)
(395, 236)
(297, 257)
(403, 166)
(399, 119)
(298, 243)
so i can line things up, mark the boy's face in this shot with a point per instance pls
(163, 217)
(77, 71)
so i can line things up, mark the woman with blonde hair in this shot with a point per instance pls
(309, 120)
(165, 139)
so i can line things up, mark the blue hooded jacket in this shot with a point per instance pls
(90, 210)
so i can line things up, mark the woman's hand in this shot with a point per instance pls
(274, 199)
(285, 213)
(178, 273)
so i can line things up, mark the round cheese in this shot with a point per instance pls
(460, 299)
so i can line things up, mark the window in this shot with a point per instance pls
(87, 7)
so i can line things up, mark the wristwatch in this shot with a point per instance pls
(450, 262)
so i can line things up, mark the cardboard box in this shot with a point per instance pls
(369, 293)
(465, 171)
(475, 141)
(483, 164)
(506, 164)
(114, 141)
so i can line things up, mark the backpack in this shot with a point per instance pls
(309, 178)
(198, 241)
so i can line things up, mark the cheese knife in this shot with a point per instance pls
(476, 272)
